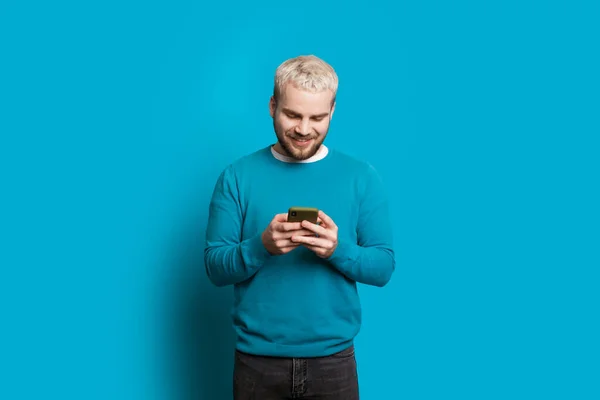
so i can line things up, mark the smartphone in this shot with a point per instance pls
(299, 214)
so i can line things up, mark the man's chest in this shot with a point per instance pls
(260, 203)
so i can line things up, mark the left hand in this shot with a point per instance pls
(324, 245)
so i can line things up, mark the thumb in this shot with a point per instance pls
(280, 217)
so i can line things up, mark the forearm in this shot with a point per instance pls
(228, 264)
(369, 265)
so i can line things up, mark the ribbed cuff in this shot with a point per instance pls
(254, 252)
(345, 254)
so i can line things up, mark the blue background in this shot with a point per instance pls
(482, 117)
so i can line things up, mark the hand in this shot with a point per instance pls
(325, 244)
(277, 236)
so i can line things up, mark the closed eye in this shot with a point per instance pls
(290, 114)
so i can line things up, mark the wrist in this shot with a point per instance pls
(258, 250)
(344, 251)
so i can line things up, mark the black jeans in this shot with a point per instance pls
(273, 378)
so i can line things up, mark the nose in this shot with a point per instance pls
(303, 128)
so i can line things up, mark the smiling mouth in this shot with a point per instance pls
(302, 142)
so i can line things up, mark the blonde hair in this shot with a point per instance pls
(308, 73)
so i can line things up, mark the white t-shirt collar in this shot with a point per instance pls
(319, 155)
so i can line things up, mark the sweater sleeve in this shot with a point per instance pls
(229, 260)
(371, 260)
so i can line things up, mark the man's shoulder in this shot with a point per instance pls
(352, 162)
(247, 161)
(259, 155)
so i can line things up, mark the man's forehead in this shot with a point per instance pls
(297, 99)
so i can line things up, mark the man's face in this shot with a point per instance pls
(301, 121)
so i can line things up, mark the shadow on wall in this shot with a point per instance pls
(201, 337)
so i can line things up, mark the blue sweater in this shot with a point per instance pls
(297, 304)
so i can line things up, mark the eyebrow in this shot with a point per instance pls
(288, 111)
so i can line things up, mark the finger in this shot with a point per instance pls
(319, 230)
(319, 251)
(288, 226)
(301, 232)
(282, 243)
(322, 223)
(280, 217)
(313, 241)
(328, 221)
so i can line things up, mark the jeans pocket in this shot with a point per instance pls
(347, 353)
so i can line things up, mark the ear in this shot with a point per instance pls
(332, 110)
(272, 106)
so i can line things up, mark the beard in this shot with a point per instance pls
(285, 140)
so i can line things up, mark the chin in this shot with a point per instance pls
(302, 154)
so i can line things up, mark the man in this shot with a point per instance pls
(296, 308)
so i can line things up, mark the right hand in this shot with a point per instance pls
(277, 236)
